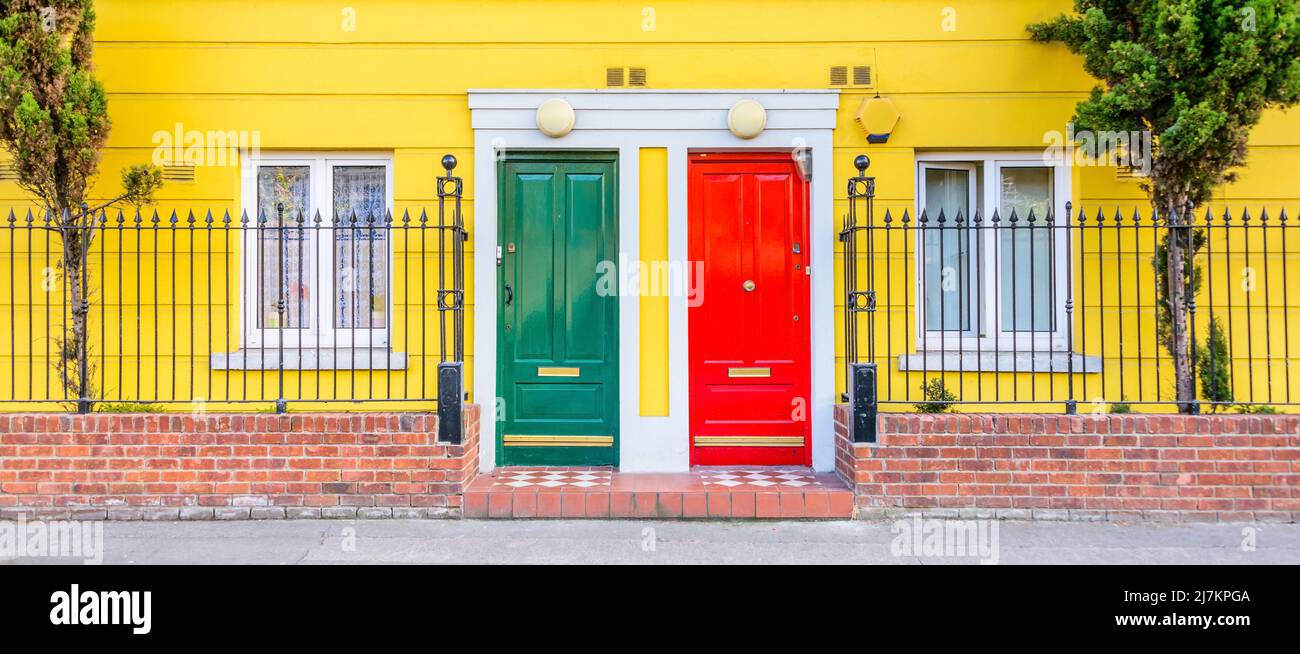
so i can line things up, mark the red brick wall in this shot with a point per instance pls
(1200, 468)
(233, 466)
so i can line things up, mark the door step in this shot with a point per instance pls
(779, 493)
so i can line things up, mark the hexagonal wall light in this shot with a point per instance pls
(877, 117)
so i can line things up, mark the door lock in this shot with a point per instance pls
(748, 286)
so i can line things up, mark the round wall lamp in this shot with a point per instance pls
(747, 119)
(555, 118)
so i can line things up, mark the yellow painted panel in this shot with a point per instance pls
(654, 307)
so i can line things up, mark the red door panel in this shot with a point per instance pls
(749, 340)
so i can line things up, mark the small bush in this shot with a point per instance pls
(1214, 364)
(1121, 407)
(938, 398)
(1258, 409)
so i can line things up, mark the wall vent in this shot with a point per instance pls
(7, 173)
(861, 76)
(178, 173)
(636, 77)
(613, 77)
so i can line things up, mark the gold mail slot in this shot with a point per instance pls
(535, 440)
(749, 441)
(559, 372)
(749, 372)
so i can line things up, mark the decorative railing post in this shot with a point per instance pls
(860, 377)
(451, 304)
(1071, 404)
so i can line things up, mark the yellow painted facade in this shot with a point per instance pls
(392, 77)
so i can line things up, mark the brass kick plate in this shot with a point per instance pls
(749, 372)
(749, 441)
(530, 440)
(559, 372)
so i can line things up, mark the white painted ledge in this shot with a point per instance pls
(310, 359)
(959, 361)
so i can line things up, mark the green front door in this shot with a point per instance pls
(557, 336)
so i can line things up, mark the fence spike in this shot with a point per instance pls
(1263, 215)
(1119, 216)
(424, 216)
(1032, 218)
(225, 217)
(207, 218)
(1282, 218)
(189, 219)
(997, 217)
(13, 218)
(406, 217)
(1014, 218)
(103, 216)
(139, 218)
(906, 218)
(979, 217)
(155, 220)
(388, 216)
(30, 217)
(121, 217)
(1245, 215)
(960, 218)
(174, 218)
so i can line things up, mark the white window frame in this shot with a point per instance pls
(987, 333)
(320, 331)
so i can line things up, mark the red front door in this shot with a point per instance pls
(749, 338)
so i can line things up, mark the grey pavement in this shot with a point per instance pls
(678, 542)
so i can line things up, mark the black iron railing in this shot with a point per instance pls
(190, 310)
(1078, 311)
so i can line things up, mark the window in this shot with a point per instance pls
(986, 285)
(317, 256)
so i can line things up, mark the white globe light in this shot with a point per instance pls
(747, 119)
(555, 118)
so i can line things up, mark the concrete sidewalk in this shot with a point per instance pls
(654, 542)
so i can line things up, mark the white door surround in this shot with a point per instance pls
(681, 121)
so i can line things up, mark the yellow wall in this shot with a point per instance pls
(392, 75)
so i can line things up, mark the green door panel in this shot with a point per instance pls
(557, 358)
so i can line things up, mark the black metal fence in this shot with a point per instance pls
(206, 310)
(1072, 312)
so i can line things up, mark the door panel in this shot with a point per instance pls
(749, 339)
(558, 334)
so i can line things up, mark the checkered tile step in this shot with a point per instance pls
(553, 478)
(759, 478)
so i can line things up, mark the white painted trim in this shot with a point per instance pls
(987, 334)
(681, 121)
(321, 169)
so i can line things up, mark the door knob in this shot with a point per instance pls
(748, 285)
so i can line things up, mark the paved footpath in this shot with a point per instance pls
(655, 542)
